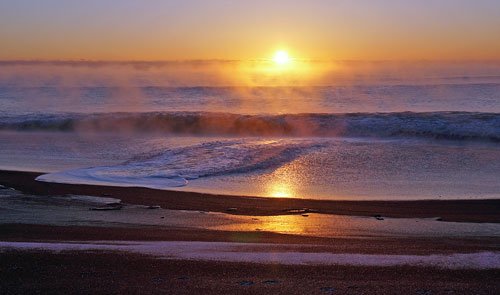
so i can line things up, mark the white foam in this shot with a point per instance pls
(174, 167)
(268, 254)
(99, 176)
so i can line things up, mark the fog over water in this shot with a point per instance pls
(349, 130)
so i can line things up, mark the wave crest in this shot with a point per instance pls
(441, 125)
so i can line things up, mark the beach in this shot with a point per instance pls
(455, 210)
(207, 242)
(383, 185)
(114, 273)
(250, 147)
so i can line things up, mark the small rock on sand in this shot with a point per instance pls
(328, 289)
(270, 282)
(106, 208)
(157, 280)
(295, 211)
(301, 211)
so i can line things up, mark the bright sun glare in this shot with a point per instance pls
(281, 57)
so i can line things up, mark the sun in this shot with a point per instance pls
(281, 57)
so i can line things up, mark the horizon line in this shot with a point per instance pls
(215, 60)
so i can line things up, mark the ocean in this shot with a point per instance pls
(429, 135)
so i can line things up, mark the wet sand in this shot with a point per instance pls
(447, 210)
(109, 272)
(400, 245)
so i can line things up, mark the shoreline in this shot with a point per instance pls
(479, 211)
(134, 258)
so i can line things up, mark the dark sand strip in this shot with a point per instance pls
(448, 210)
(114, 273)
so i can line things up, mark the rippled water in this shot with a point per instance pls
(434, 137)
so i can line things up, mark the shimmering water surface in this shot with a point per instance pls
(434, 135)
(72, 210)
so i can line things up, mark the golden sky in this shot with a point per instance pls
(241, 30)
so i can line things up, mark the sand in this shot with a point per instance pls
(264, 253)
(115, 273)
(344, 265)
(447, 210)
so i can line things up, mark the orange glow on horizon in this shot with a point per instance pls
(228, 30)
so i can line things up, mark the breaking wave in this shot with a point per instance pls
(439, 125)
(175, 167)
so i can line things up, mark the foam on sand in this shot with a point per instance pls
(267, 253)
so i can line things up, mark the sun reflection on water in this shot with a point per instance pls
(286, 224)
(280, 190)
(284, 182)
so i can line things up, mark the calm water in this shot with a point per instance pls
(429, 136)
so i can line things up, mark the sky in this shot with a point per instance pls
(242, 30)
